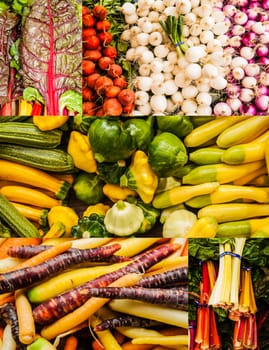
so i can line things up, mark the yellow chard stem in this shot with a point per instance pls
(236, 264)
(226, 287)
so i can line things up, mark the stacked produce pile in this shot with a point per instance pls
(189, 57)
(229, 300)
(168, 175)
(40, 58)
(56, 294)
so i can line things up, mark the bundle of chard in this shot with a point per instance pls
(40, 58)
(62, 287)
(105, 88)
(231, 310)
(204, 333)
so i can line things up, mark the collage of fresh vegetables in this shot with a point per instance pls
(134, 174)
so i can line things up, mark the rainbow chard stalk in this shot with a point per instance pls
(173, 27)
(51, 56)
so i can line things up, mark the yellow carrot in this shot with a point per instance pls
(25, 318)
(68, 280)
(176, 340)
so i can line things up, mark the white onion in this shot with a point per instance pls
(181, 81)
(131, 19)
(204, 98)
(156, 65)
(144, 70)
(142, 39)
(157, 76)
(155, 38)
(206, 36)
(190, 18)
(222, 109)
(210, 71)
(170, 87)
(220, 28)
(195, 53)
(189, 106)
(204, 110)
(157, 88)
(177, 98)
(145, 109)
(189, 91)
(146, 57)
(218, 83)
(141, 97)
(128, 8)
(207, 22)
(193, 71)
(158, 103)
(143, 83)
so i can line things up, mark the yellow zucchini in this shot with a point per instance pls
(26, 195)
(247, 179)
(241, 228)
(221, 173)
(32, 213)
(12, 171)
(210, 130)
(234, 211)
(181, 194)
(205, 227)
(244, 131)
(245, 153)
(229, 193)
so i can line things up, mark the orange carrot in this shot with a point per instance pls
(96, 345)
(184, 251)
(44, 256)
(1, 332)
(6, 298)
(11, 242)
(130, 346)
(71, 343)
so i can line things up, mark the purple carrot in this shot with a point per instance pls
(25, 277)
(177, 298)
(28, 251)
(171, 277)
(64, 303)
(125, 321)
(9, 315)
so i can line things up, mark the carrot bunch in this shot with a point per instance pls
(48, 299)
(105, 89)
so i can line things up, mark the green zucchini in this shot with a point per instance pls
(27, 134)
(13, 119)
(17, 222)
(55, 160)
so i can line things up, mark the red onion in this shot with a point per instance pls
(240, 18)
(262, 90)
(233, 90)
(263, 17)
(262, 50)
(263, 61)
(254, 4)
(249, 24)
(248, 110)
(249, 39)
(229, 10)
(238, 30)
(265, 4)
(252, 13)
(262, 102)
